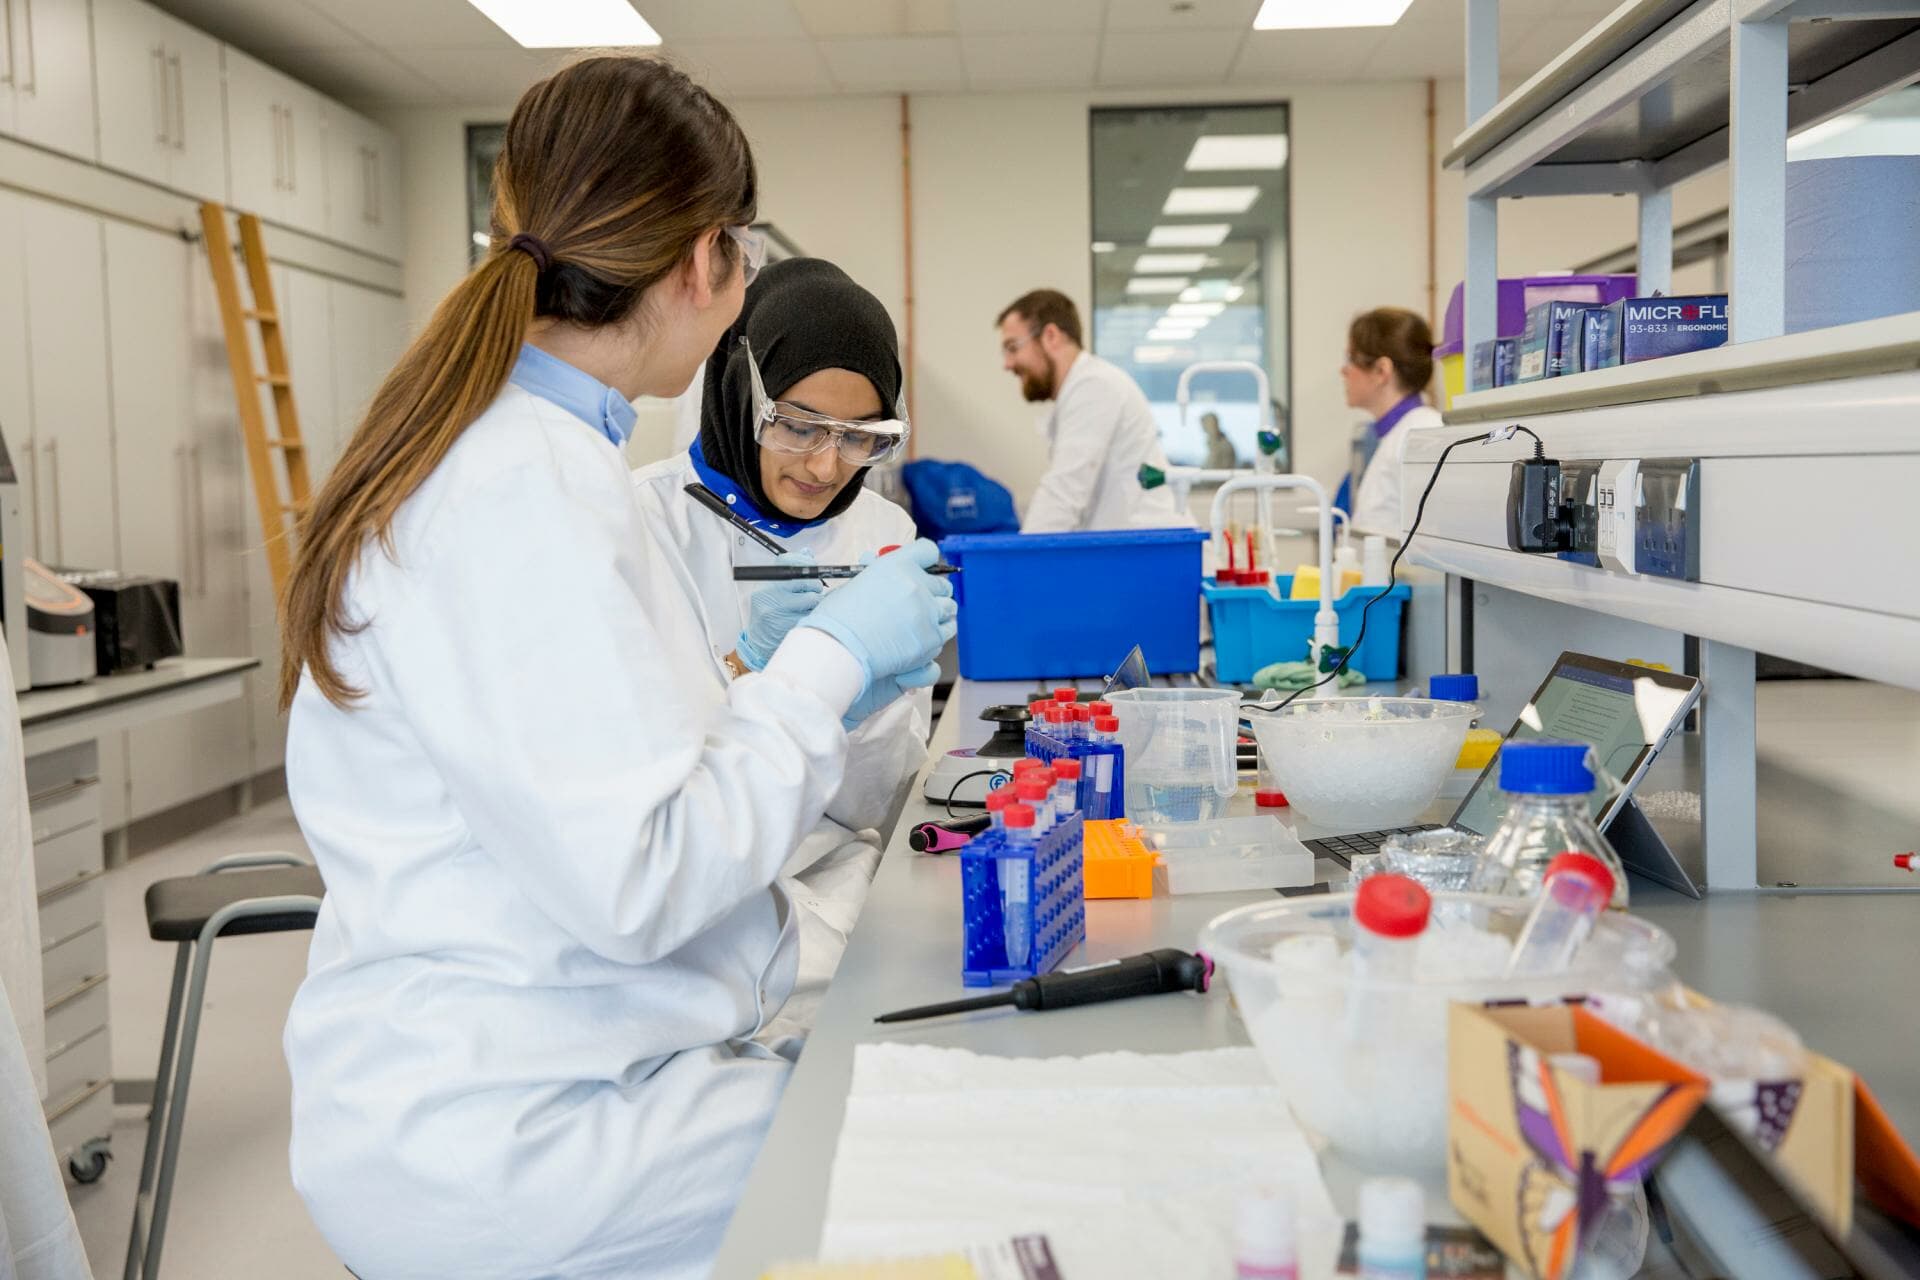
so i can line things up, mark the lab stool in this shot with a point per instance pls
(244, 893)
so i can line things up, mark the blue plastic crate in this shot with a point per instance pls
(1044, 746)
(1057, 890)
(1039, 606)
(1251, 629)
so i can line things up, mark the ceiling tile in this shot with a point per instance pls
(425, 24)
(362, 77)
(902, 64)
(1168, 57)
(826, 18)
(1030, 61)
(1335, 54)
(993, 17)
(757, 68)
(1416, 51)
(265, 27)
(707, 21)
(484, 76)
(1181, 15)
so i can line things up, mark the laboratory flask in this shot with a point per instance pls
(1179, 750)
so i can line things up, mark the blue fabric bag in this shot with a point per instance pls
(953, 497)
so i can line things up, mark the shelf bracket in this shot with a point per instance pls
(1728, 788)
(1758, 181)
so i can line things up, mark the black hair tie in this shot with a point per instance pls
(534, 247)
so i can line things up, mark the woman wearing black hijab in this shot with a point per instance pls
(801, 396)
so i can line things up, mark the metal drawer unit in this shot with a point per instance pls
(63, 803)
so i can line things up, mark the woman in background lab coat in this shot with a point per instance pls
(1389, 364)
(791, 458)
(524, 1047)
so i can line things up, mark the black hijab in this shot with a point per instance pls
(801, 315)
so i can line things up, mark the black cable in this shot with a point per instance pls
(962, 781)
(1393, 571)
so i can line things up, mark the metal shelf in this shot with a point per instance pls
(1657, 113)
(1888, 345)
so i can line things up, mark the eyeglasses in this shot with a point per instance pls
(786, 428)
(1012, 345)
(753, 250)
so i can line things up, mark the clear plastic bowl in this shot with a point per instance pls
(1382, 1105)
(1362, 763)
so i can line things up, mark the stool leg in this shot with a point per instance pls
(157, 1115)
(177, 1109)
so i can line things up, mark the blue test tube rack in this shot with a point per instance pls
(1057, 889)
(1093, 804)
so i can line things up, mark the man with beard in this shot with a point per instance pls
(1100, 431)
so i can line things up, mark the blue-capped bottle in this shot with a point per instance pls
(1549, 787)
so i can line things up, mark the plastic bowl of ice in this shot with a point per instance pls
(1380, 1101)
(1362, 763)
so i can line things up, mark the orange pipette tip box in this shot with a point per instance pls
(1117, 864)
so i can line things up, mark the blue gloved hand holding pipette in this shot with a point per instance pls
(775, 610)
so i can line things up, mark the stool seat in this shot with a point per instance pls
(179, 908)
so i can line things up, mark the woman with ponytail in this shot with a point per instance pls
(524, 1046)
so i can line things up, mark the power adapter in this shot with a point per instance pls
(1536, 522)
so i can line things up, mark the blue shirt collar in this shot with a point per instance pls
(737, 499)
(579, 393)
(1391, 418)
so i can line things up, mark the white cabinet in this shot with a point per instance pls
(276, 140)
(162, 114)
(363, 185)
(16, 383)
(46, 91)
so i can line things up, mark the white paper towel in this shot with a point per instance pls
(1130, 1164)
(1852, 248)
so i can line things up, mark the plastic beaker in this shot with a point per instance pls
(1179, 749)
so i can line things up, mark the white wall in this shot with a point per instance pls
(1000, 190)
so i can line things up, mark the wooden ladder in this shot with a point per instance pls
(280, 512)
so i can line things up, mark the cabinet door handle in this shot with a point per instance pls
(183, 526)
(279, 148)
(199, 510)
(379, 188)
(33, 489)
(293, 154)
(59, 535)
(179, 102)
(9, 24)
(33, 62)
(161, 115)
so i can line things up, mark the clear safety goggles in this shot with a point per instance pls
(786, 428)
(753, 251)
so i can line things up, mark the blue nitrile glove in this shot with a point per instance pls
(895, 617)
(882, 694)
(774, 610)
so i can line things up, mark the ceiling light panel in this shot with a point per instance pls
(1196, 309)
(1233, 152)
(1157, 284)
(1148, 264)
(1203, 200)
(1194, 235)
(569, 24)
(1295, 15)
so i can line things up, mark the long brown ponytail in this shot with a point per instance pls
(614, 167)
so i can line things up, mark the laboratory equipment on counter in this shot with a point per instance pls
(1393, 1230)
(1253, 851)
(1326, 623)
(1444, 858)
(1389, 914)
(1575, 890)
(1547, 784)
(1180, 751)
(136, 618)
(945, 837)
(1626, 714)
(1040, 879)
(1118, 864)
(1904, 861)
(795, 572)
(718, 505)
(1132, 673)
(1150, 974)
(1264, 1247)
(13, 544)
(965, 775)
(1383, 1104)
(1360, 763)
(1253, 627)
(1266, 456)
(1100, 788)
(59, 645)
(1128, 587)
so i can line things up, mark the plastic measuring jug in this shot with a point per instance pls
(1179, 750)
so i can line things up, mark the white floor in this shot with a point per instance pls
(235, 1212)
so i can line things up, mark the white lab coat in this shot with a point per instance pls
(524, 1044)
(1376, 503)
(1099, 432)
(832, 868)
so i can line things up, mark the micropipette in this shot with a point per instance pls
(1150, 974)
(789, 572)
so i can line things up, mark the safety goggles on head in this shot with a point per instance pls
(753, 250)
(786, 428)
